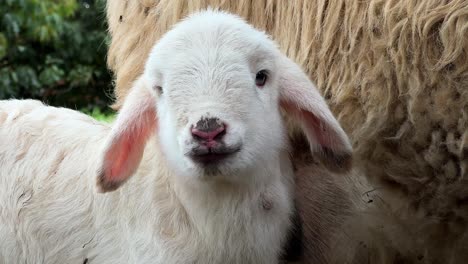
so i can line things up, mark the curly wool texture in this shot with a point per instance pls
(395, 74)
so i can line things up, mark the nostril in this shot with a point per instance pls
(215, 134)
(221, 134)
(196, 135)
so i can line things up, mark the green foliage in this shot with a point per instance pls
(98, 114)
(54, 50)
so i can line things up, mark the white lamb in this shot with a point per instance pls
(203, 136)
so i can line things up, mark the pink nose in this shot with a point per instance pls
(209, 135)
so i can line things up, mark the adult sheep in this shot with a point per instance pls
(202, 136)
(389, 69)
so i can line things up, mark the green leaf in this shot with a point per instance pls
(11, 24)
(21, 48)
(43, 34)
(14, 76)
(51, 75)
(27, 77)
(5, 83)
(80, 75)
(3, 45)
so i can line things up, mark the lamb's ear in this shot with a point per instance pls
(124, 148)
(302, 101)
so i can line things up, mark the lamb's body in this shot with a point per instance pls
(50, 212)
(203, 137)
(47, 209)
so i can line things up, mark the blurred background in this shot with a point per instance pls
(55, 51)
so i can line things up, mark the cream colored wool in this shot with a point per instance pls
(395, 73)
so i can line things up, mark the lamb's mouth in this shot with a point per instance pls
(212, 156)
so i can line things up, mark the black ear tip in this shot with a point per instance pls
(336, 161)
(103, 185)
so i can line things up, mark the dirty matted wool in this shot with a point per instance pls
(395, 73)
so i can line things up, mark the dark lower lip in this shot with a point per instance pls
(207, 157)
(210, 158)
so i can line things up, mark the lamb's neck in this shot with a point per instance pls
(207, 200)
(217, 201)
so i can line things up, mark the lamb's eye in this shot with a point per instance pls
(261, 78)
(158, 89)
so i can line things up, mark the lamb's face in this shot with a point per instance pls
(212, 88)
(217, 100)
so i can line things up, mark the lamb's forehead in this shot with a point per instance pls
(214, 30)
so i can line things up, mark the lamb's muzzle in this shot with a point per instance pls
(208, 133)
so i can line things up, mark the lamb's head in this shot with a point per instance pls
(216, 84)
(212, 91)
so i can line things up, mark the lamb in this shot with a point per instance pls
(195, 169)
(392, 71)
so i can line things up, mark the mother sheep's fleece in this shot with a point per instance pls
(388, 68)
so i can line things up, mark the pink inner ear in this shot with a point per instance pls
(129, 147)
(128, 139)
(312, 125)
(117, 159)
(320, 130)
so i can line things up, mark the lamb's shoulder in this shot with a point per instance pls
(39, 142)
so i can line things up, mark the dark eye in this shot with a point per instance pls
(158, 89)
(260, 78)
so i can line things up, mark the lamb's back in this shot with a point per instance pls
(48, 161)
